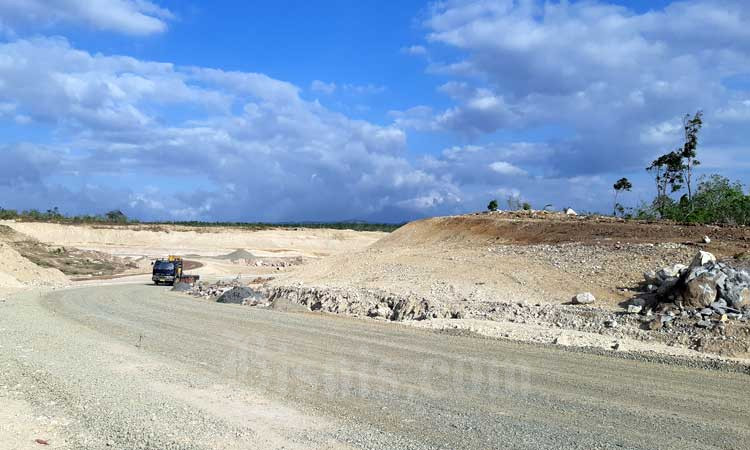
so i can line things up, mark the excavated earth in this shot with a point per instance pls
(513, 274)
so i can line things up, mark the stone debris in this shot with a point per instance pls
(702, 258)
(242, 295)
(373, 303)
(706, 240)
(634, 309)
(707, 293)
(585, 298)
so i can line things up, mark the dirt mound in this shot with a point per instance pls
(160, 240)
(540, 227)
(238, 254)
(69, 260)
(17, 271)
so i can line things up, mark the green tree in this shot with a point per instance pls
(718, 200)
(492, 206)
(116, 216)
(689, 150)
(668, 174)
(526, 206)
(623, 184)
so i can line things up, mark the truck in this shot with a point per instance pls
(170, 271)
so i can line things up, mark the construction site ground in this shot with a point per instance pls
(87, 317)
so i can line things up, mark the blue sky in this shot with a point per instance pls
(337, 110)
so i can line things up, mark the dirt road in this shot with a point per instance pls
(135, 366)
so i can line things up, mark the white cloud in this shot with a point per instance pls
(136, 17)
(505, 168)
(348, 88)
(323, 87)
(112, 115)
(612, 82)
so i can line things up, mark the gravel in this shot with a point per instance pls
(239, 295)
(131, 366)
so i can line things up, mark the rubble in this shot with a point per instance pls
(242, 295)
(702, 258)
(706, 293)
(373, 303)
(213, 290)
(584, 298)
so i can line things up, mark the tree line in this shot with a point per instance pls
(117, 217)
(679, 196)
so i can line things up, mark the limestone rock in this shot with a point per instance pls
(702, 258)
(584, 298)
(700, 292)
(634, 309)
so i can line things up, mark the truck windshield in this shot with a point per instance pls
(163, 266)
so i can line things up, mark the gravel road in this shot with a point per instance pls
(136, 366)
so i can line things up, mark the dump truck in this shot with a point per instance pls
(170, 271)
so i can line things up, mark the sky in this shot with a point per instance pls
(367, 110)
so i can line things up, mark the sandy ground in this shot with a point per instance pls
(479, 264)
(156, 241)
(141, 244)
(501, 262)
(505, 258)
(136, 366)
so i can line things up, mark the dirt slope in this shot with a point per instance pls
(168, 239)
(535, 257)
(540, 227)
(18, 272)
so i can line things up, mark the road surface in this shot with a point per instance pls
(136, 366)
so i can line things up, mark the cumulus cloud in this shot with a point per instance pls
(136, 17)
(250, 146)
(613, 82)
(506, 168)
(549, 99)
(323, 87)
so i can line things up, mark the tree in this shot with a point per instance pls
(492, 205)
(526, 206)
(689, 150)
(718, 200)
(668, 173)
(116, 216)
(623, 184)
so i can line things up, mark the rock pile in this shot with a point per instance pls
(708, 291)
(242, 295)
(213, 290)
(367, 302)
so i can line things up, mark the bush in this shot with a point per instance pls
(492, 206)
(717, 200)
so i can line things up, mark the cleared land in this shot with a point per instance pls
(123, 364)
(145, 367)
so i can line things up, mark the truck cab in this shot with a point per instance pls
(167, 270)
